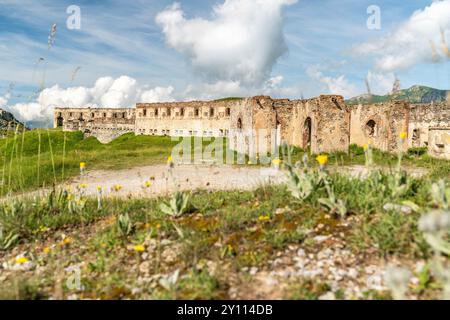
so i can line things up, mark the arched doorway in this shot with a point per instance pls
(307, 133)
(59, 121)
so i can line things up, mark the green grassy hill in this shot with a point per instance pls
(415, 94)
(43, 157)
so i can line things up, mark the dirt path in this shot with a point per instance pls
(133, 181)
(184, 177)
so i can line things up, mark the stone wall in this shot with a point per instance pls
(196, 118)
(425, 116)
(321, 124)
(439, 142)
(106, 124)
(379, 124)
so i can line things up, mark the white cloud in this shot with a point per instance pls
(240, 43)
(335, 85)
(210, 91)
(107, 92)
(417, 40)
(158, 94)
(380, 83)
(3, 102)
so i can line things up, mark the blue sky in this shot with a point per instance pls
(324, 51)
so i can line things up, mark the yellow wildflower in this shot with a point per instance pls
(22, 260)
(276, 161)
(322, 159)
(82, 165)
(403, 135)
(366, 147)
(83, 186)
(169, 159)
(43, 229)
(117, 188)
(99, 188)
(158, 226)
(139, 248)
(65, 242)
(46, 250)
(148, 184)
(263, 218)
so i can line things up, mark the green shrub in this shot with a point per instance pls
(417, 152)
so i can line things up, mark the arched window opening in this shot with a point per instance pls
(239, 124)
(371, 128)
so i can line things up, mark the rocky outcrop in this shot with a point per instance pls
(8, 121)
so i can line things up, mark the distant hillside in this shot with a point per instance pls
(415, 94)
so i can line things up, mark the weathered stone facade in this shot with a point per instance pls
(105, 124)
(322, 124)
(439, 142)
(379, 124)
(424, 117)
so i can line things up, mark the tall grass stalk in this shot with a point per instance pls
(14, 146)
(22, 179)
(63, 157)
(39, 159)
(52, 157)
(5, 158)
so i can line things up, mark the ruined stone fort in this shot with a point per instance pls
(323, 124)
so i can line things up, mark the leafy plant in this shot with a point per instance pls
(178, 205)
(300, 185)
(335, 205)
(124, 225)
(398, 184)
(440, 194)
(7, 240)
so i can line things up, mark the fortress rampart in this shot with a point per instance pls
(323, 124)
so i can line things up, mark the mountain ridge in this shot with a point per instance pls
(414, 94)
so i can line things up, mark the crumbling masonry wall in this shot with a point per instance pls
(380, 125)
(321, 124)
(426, 116)
(439, 142)
(105, 124)
(196, 118)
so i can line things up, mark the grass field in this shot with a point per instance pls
(323, 234)
(218, 245)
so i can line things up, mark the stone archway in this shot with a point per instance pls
(59, 121)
